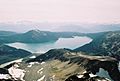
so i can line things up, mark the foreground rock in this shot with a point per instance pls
(90, 63)
(86, 77)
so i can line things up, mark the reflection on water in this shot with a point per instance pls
(71, 43)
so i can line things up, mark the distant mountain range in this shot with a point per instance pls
(6, 33)
(23, 26)
(34, 36)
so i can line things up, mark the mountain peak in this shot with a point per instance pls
(36, 31)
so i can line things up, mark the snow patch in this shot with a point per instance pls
(39, 70)
(32, 57)
(16, 73)
(42, 78)
(80, 76)
(32, 63)
(15, 65)
(5, 76)
(29, 66)
(42, 63)
(92, 75)
(84, 72)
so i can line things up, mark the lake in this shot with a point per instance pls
(70, 43)
(103, 73)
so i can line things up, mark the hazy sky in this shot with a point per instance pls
(97, 11)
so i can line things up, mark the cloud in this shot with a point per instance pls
(99, 11)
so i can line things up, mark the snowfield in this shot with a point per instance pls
(16, 73)
(32, 57)
(5, 76)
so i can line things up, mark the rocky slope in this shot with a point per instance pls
(92, 64)
(106, 43)
(86, 77)
(65, 65)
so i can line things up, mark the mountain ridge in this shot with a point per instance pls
(8, 53)
(107, 44)
(37, 36)
(91, 63)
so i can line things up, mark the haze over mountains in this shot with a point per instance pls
(24, 26)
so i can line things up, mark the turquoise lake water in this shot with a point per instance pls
(70, 43)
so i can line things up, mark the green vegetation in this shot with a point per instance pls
(106, 43)
(53, 69)
(8, 53)
(36, 36)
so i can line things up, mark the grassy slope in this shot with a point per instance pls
(54, 68)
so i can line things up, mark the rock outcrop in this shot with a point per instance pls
(86, 77)
(90, 63)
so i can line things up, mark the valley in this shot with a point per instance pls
(59, 40)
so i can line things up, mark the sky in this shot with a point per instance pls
(89, 11)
